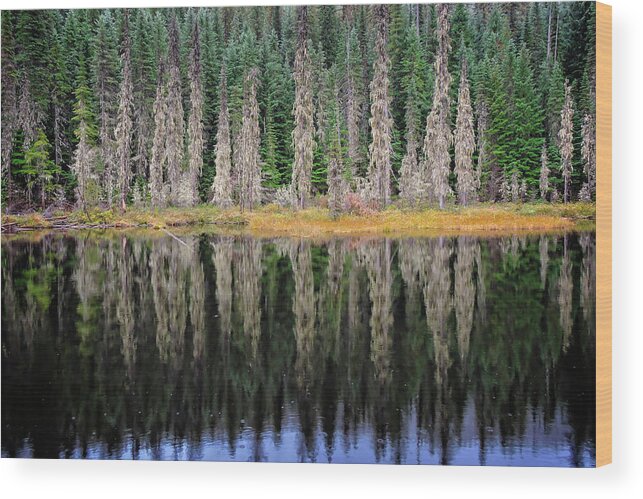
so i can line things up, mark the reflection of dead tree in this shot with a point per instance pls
(303, 307)
(125, 306)
(377, 260)
(197, 300)
(61, 258)
(354, 313)
(438, 301)
(415, 256)
(510, 246)
(353, 296)
(335, 266)
(437, 298)
(407, 256)
(177, 301)
(565, 292)
(464, 292)
(543, 246)
(169, 282)
(588, 279)
(110, 286)
(223, 251)
(248, 289)
(331, 299)
(159, 293)
(140, 258)
(481, 296)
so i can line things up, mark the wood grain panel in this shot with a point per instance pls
(603, 234)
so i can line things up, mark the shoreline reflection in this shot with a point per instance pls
(447, 350)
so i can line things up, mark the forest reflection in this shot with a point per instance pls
(451, 350)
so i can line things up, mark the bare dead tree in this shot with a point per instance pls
(465, 142)
(249, 167)
(174, 117)
(588, 153)
(195, 122)
(222, 184)
(379, 168)
(566, 139)
(124, 123)
(436, 160)
(544, 173)
(159, 156)
(303, 142)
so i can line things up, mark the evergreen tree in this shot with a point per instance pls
(323, 95)
(526, 131)
(144, 62)
(60, 95)
(29, 116)
(415, 84)
(352, 99)
(10, 118)
(276, 101)
(34, 32)
(498, 133)
(411, 184)
(212, 61)
(83, 166)
(106, 89)
(481, 146)
(39, 169)
(336, 183)
(554, 100)
(329, 33)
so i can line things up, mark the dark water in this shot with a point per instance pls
(441, 350)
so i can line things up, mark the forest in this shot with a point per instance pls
(349, 108)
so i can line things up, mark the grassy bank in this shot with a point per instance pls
(273, 220)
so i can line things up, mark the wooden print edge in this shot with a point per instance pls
(603, 234)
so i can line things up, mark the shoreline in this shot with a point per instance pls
(273, 221)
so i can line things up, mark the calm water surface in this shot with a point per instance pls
(355, 350)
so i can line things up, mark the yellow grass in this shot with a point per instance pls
(482, 218)
(273, 220)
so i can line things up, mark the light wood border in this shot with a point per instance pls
(603, 234)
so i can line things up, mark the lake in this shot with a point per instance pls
(442, 350)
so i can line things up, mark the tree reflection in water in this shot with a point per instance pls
(426, 350)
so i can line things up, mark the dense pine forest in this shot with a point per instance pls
(337, 106)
